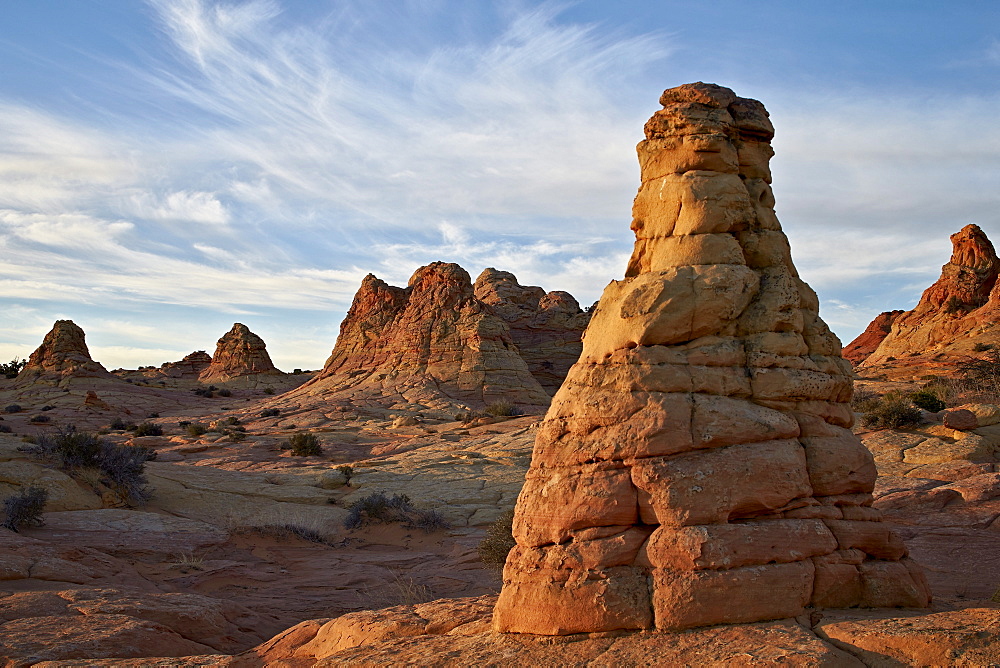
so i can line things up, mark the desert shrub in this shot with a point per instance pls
(348, 472)
(4, 429)
(270, 412)
(196, 429)
(12, 368)
(153, 415)
(47, 408)
(24, 508)
(225, 392)
(428, 521)
(268, 390)
(40, 419)
(984, 369)
(118, 424)
(149, 429)
(864, 400)
(236, 435)
(982, 347)
(499, 540)
(953, 305)
(928, 401)
(304, 444)
(12, 408)
(203, 392)
(503, 408)
(232, 419)
(285, 530)
(296, 371)
(121, 466)
(891, 412)
(380, 507)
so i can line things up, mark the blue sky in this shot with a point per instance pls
(170, 167)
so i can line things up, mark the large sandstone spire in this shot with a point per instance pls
(239, 354)
(63, 354)
(697, 465)
(961, 309)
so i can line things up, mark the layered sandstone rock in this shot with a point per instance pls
(240, 354)
(191, 366)
(697, 466)
(430, 343)
(547, 327)
(960, 310)
(63, 354)
(866, 343)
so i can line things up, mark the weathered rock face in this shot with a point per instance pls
(866, 343)
(547, 327)
(697, 466)
(957, 312)
(190, 367)
(239, 353)
(431, 343)
(63, 354)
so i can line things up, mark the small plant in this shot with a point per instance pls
(12, 408)
(25, 508)
(118, 424)
(13, 367)
(270, 412)
(953, 305)
(380, 507)
(47, 408)
(982, 369)
(348, 472)
(503, 408)
(232, 419)
(40, 419)
(149, 429)
(268, 390)
(296, 371)
(499, 541)
(196, 429)
(203, 392)
(225, 392)
(891, 412)
(286, 530)
(428, 521)
(4, 429)
(188, 562)
(927, 401)
(304, 444)
(236, 436)
(153, 415)
(982, 347)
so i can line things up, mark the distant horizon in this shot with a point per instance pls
(170, 167)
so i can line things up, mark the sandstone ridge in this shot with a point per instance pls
(958, 312)
(432, 343)
(697, 466)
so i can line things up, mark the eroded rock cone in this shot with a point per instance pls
(697, 465)
(960, 310)
(63, 354)
(547, 327)
(239, 353)
(191, 365)
(431, 343)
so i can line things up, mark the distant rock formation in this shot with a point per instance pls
(866, 343)
(547, 327)
(191, 366)
(697, 467)
(63, 354)
(431, 343)
(960, 310)
(239, 355)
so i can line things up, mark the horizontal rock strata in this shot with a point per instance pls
(697, 466)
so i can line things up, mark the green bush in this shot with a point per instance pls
(499, 541)
(196, 429)
(503, 408)
(892, 411)
(148, 429)
(24, 508)
(13, 367)
(304, 444)
(928, 401)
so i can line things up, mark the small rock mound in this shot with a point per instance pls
(431, 343)
(547, 327)
(955, 316)
(191, 366)
(63, 354)
(240, 354)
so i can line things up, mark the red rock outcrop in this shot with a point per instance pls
(63, 354)
(860, 348)
(239, 354)
(432, 343)
(960, 310)
(697, 467)
(547, 327)
(191, 366)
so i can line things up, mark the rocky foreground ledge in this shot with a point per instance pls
(456, 632)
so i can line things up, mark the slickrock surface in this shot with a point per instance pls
(866, 343)
(961, 309)
(239, 355)
(697, 466)
(431, 344)
(62, 355)
(547, 327)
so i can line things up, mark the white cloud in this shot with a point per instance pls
(185, 206)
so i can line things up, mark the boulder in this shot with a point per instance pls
(697, 465)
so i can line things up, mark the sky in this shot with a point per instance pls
(170, 167)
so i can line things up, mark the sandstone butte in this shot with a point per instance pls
(961, 309)
(431, 343)
(547, 327)
(239, 355)
(191, 366)
(697, 467)
(62, 355)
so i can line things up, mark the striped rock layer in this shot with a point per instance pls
(697, 466)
